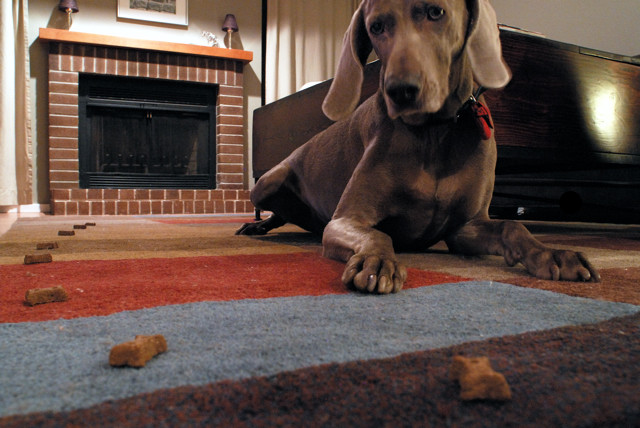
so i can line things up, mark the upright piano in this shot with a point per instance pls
(567, 128)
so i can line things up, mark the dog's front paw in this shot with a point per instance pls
(561, 265)
(374, 274)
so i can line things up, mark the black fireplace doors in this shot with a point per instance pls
(146, 133)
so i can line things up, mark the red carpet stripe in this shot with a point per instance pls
(104, 287)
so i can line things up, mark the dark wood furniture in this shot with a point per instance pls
(567, 127)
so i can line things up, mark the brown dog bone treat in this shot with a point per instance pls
(31, 259)
(46, 246)
(137, 352)
(478, 381)
(79, 226)
(37, 296)
(66, 233)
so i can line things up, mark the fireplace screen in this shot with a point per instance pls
(146, 133)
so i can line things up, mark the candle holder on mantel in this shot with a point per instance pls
(230, 26)
(68, 6)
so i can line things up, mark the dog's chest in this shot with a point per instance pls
(448, 170)
(441, 178)
(431, 206)
(432, 195)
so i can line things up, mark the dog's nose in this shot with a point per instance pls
(402, 93)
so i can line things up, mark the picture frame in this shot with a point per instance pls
(176, 13)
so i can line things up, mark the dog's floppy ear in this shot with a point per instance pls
(483, 47)
(345, 90)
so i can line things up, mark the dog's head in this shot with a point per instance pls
(418, 43)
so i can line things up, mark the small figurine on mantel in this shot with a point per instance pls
(212, 40)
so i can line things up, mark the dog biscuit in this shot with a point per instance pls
(478, 381)
(138, 352)
(31, 259)
(37, 296)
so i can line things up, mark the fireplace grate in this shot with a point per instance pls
(147, 181)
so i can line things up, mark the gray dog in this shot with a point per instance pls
(414, 164)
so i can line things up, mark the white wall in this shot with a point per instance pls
(611, 26)
(99, 17)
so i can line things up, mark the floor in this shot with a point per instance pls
(7, 219)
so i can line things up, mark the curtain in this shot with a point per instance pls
(304, 39)
(16, 155)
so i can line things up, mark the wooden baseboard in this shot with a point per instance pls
(22, 209)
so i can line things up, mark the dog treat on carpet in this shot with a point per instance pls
(37, 296)
(66, 233)
(46, 246)
(478, 381)
(137, 352)
(79, 226)
(31, 259)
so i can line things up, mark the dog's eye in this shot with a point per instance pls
(434, 13)
(428, 11)
(377, 28)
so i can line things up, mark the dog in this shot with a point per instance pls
(412, 165)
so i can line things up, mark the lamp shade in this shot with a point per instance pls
(68, 5)
(230, 23)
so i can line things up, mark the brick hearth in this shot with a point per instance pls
(200, 64)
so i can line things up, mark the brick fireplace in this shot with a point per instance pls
(71, 54)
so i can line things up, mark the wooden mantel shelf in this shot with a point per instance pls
(56, 35)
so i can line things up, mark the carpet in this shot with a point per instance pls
(261, 332)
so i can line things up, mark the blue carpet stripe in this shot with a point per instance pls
(63, 364)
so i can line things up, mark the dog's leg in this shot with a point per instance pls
(276, 192)
(513, 241)
(371, 261)
(268, 186)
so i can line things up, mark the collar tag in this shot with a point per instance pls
(480, 114)
(482, 119)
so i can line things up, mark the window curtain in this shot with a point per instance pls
(15, 120)
(304, 39)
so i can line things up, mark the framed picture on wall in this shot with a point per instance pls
(164, 11)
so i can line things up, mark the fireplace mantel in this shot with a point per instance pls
(73, 53)
(56, 35)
